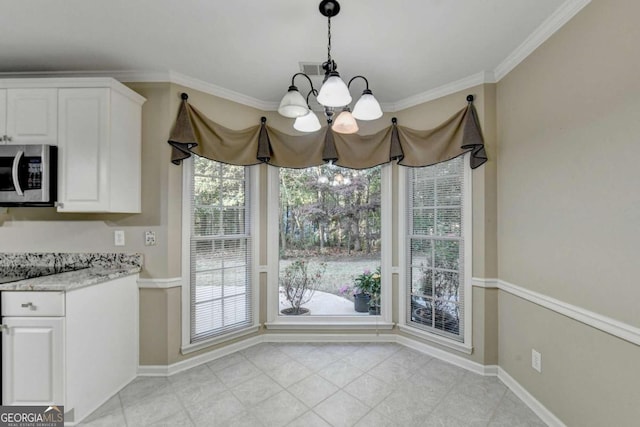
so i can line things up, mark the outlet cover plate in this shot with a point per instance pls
(536, 360)
(149, 238)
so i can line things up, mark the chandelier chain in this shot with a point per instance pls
(329, 38)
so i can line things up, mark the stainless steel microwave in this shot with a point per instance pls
(28, 175)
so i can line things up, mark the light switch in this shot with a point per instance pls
(118, 237)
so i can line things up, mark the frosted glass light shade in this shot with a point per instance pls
(345, 123)
(293, 105)
(367, 108)
(307, 123)
(334, 92)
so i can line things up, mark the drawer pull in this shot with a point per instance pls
(28, 305)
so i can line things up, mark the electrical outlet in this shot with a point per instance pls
(536, 360)
(149, 238)
(118, 237)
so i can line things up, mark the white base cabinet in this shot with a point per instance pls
(79, 359)
(33, 361)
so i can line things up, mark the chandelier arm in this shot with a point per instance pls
(302, 74)
(366, 82)
(312, 91)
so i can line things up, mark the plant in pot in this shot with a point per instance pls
(429, 307)
(360, 299)
(299, 283)
(368, 283)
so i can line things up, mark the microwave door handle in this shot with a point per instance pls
(14, 172)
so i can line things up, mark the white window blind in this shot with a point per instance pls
(220, 243)
(436, 248)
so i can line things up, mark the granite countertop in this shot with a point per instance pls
(92, 270)
(71, 280)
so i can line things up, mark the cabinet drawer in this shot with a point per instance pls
(32, 304)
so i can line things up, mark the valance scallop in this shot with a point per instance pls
(194, 133)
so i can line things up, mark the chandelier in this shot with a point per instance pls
(334, 94)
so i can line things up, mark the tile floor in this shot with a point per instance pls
(310, 385)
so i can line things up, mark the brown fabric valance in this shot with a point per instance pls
(197, 134)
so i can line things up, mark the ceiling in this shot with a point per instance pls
(250, 49)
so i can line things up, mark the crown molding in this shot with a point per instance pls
(552, 24)
(219, 91)
(120, 75)
(441, 91)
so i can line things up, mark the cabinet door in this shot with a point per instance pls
(3, 115)
(83, 151)
(32, 116)
(33, 361)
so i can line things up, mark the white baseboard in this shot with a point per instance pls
(174, 368)
(486, 370)
(538, 408)
(92, 410)
(469, 365)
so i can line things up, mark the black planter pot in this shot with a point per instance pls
(361, 302)
(374, 310)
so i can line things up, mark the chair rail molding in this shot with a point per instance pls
(165, 283)
(606, 324)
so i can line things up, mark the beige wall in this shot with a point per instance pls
(483, 241)
(569, 206)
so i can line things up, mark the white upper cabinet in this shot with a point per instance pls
(29, 116)
(99, 150)
(97, 125)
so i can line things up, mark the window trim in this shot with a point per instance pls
(466, 346)
(274, 320)
(254, 215)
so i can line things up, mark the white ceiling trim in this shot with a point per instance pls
(221, 92)
(439, 92)
(120, 75)
(552, 24)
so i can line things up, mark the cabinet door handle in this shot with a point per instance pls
(8, 138)
(28, 305)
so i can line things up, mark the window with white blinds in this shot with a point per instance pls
(220, 249)
(436, 248)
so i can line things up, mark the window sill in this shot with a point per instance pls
(326, 323)
(190, 348)
(436, 339)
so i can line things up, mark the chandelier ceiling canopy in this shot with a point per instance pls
(334, 94)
